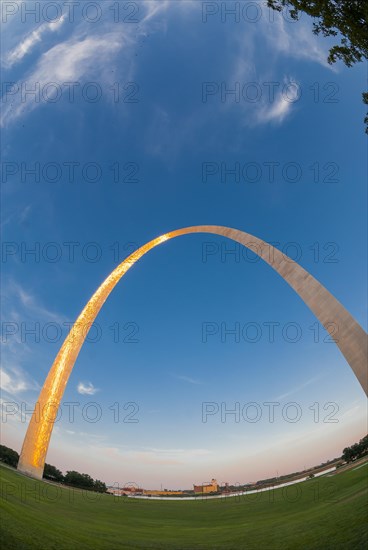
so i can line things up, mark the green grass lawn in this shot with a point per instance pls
(328, 513)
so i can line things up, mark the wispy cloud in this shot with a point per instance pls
(17, 216)
(75, 58)
(187, 379)
(28, 43)
(23, 298)
(13, 380)
(356, 409)
(10, 413)
(21, 310)
(153, 8)
(280, 108)
(86, 388)
(282, 40)
(153, 456)
(69, 61)
(87, 52)
(296, 40)
(296, 389)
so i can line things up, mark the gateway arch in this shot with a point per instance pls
(351, 338)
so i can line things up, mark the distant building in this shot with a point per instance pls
(124, 491)
(206, 488)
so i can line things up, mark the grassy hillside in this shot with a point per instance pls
(328, 513)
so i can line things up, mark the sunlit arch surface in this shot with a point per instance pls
(351, 338)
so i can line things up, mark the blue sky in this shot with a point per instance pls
(172, 133)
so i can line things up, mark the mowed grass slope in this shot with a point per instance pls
(328, 513)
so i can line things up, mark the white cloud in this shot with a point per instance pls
(9, 384)
(280, 107)
(14, 380)
(86, 388)
(73, 59)
(27, 44)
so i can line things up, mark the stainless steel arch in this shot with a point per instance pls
(352, 339)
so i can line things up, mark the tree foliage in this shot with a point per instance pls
(356, 451)
(51, 472)
(345, 19)
(100, 486)
(8, 456)
(84, 481)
